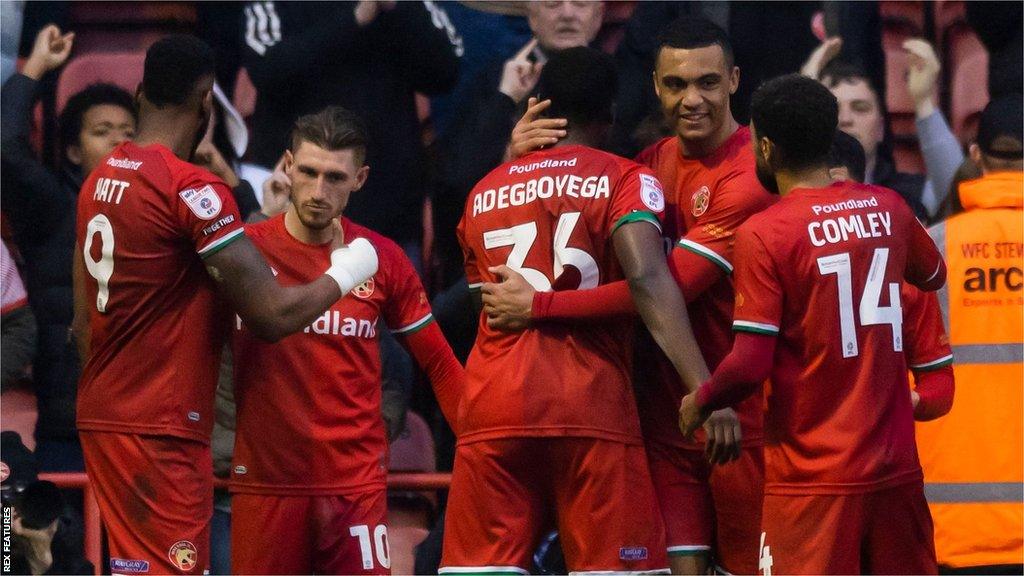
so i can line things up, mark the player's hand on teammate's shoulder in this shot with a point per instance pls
(723, 432)
(50, 51)
(509, 303)
(533, 132)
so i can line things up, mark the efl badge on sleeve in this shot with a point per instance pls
(203, 202)
(651, 193)
(701, 199)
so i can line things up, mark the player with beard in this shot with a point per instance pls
(707, 169)
(818, 309)
(150, 325)
(313, 499)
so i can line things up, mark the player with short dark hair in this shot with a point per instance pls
(846, 158)
(312, 498)
(708, 170)
(548, 429)
(818, 277)
(150, 325)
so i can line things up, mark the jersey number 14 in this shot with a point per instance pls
(870, 311)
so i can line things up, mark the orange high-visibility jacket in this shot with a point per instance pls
(972, 457)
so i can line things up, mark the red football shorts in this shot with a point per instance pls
(888, 531)
(155, 495)
(507, 493)
(310, 534)
(707, 507)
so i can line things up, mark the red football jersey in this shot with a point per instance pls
(145, 221)
(822, 269)
(712, 196)
(550, 215)
(308, 406)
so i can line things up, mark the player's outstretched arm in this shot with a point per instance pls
(925, 267)
(513, 304)
(748, 364)
(433, 354)
(272, 311)
(658, 299)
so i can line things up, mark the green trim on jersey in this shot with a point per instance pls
(637, 216)
(221, 244)
(934, 364)
(686, 551)
(415, 326)
(707, 253)
(754, 327)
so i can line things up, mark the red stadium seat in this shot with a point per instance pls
(121, 68)
(948, 14)
(18, 413)
(245, 95)
(897, 99)
(107, 14)
(907, 14)
(967, 61)
(402, 542)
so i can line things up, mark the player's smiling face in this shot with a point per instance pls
(694, 85)
(322, 182)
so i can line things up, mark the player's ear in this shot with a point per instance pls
(734, 79)
(654, 78)
(765, 146)
(974, 152)
(289, 161)
(361, 175)
(74, 154)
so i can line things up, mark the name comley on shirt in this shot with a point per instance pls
(841, 228)
(520, 193)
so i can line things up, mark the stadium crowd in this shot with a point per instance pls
(323, 274)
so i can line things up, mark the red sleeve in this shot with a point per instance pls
(206, 211)
(468, 256)
(935, 389)
(925, 343)
(759, 293)
(435, 357)
(925, 267)
(740, 373)
(636, 196)
(712, 236)
(692, 273)
(407, 309)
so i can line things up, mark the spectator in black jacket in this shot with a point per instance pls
(40, 206)
(477, 139)
(369, 57)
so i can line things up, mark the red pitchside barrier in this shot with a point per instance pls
(424, 482)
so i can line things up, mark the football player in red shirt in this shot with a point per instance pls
(157, 239)
(843, 486)
(311, 497)
(548, 429)
(707, 168)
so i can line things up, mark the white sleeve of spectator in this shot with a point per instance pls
(942, 158)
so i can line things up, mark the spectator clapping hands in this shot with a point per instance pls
(922, 75)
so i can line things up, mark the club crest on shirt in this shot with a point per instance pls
(203, 202)
(183, 555)
(651, 193)
(701, 199)
(364, 290)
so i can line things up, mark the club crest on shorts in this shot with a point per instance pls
(701, 199)
(633, 553)
(183, 555)
(203, 202)
(364, 290)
